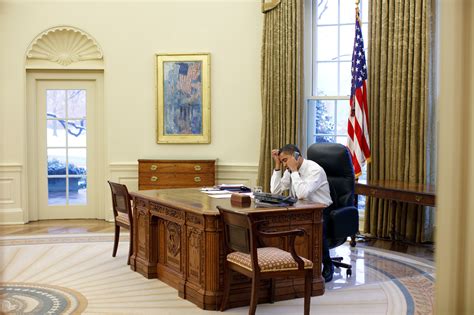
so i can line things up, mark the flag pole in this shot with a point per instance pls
(356, 197)
(357, 3)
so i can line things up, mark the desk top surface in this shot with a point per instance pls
(399, 186)
(193, 200)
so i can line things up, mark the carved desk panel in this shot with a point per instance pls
(178, 239)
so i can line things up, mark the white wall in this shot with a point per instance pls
(130, 33)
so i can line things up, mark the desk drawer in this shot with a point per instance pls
(176, 180)
(185, 167)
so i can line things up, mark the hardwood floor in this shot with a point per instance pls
(52, 227)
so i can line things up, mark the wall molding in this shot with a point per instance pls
(11, 201)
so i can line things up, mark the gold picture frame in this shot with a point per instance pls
(184, 98)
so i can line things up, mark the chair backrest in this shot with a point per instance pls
(237, 231)
(336, 161)
(120, 199)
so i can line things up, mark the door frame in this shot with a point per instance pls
(32, 78)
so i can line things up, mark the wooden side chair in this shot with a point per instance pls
(242, 237)
(122, 214)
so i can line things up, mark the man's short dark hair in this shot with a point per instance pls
(289, 148)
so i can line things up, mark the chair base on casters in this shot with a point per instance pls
(337, 262)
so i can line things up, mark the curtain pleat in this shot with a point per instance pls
(281, 81)
(398, 84)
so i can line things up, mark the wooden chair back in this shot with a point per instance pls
(121, 200)
(237, 231)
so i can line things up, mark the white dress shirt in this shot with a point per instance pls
(309, 182)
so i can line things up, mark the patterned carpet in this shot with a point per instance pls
(76, 274)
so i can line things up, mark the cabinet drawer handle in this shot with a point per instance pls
(154, 178)
(197, 179)
(154, 167)
(197, 167)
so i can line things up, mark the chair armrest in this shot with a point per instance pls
(292, 234)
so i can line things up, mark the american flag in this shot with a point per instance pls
(358, 126)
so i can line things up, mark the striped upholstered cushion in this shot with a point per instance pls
(269, 259)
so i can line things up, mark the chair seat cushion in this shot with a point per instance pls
(269, 259)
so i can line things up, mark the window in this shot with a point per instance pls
(66, 146)
(332, 35)
(332, 28)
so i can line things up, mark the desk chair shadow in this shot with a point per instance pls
(341, 218)
(122, 214)
(243, 255)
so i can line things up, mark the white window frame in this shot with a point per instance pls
(310, 73)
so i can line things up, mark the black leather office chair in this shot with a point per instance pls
(342, 218)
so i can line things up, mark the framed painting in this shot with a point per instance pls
(183, 96)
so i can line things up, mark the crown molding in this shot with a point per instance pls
(64, 45)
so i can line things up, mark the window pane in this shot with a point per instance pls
(76, 102)
(56, 161)
(343, 110)
(324, 117)
(56, 134)
(346, 41)
(327, 43)
(345, 76)
(77, 134)
(78, 190)
(365, 38)
(326, 83)
(56, 103)
(326, 12)
(77, 161)
(348, 13)
(365, 11)
(320, 139)
(56, 191)
(342, 140)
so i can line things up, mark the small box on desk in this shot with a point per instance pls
(240, 200)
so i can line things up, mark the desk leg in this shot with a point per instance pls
(394, 214)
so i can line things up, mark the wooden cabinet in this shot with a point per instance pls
(155, 174)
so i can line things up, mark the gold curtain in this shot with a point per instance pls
(399, 65)
(281, 81)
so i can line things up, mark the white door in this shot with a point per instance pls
(66, 149)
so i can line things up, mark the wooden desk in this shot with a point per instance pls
(398, 192)
(178, 239)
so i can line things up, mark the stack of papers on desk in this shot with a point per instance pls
(219, 194)
(215, 192)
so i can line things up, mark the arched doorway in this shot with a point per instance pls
(64, 105)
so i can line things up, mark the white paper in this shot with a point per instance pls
(217, 192)
(220, 196)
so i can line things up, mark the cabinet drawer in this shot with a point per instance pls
(159, 168)
(176, 180)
